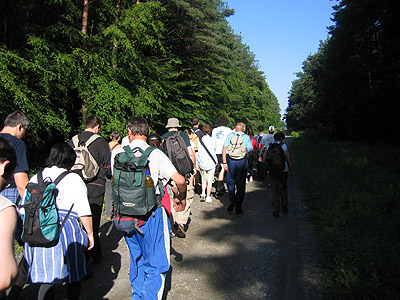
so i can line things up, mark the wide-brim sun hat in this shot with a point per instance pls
(173, 123)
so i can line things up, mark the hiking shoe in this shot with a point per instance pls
(285, 209)
(208, 199)
(202, 197)
(179, 231)
(276, 214)
(230, 207)
(238, 210)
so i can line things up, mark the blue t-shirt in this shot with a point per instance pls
(246, 140)
(20, 152)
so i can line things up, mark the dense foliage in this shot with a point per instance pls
(352, 191)
(60, 63)
(352, 85)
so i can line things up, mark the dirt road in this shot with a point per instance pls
(225, 256)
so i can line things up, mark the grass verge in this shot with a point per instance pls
(352, 191)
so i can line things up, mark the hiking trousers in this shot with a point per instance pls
(278, 183)
(182, 217)
(149, 257)
(236, 179)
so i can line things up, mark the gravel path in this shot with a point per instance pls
(224, 256)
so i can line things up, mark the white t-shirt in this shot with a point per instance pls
(125, 141)
(71, 189)
(219, 134)
(267, 139)
(204, 161)
(160, 165)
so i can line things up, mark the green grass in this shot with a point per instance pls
(352, 191)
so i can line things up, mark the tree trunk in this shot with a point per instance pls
(115, 46)
(85, 15)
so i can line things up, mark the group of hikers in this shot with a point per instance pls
(147, 183)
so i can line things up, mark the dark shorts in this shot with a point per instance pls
(218, 167)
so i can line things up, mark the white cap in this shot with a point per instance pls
(271, 129)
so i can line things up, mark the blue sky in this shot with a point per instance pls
(281, 34)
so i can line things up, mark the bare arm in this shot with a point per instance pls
(88, 225)
(21, 180)
(224, 164)
(193, 158)
(8, 265)
(180, 197)
(289, 161)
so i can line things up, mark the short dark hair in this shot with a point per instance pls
(222, 121)
(15, 118)
(115, 135)
(138, 125)
(195, 121)
(7, 152)
(207, 129)
(61, 155)
(92, 122)
(260, 128)
(279, 136)
(154, 140)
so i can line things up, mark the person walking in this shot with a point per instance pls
(8, 218)
(149, 251)
(207, 161)
(181, 218)
(219, 135)
(15, 126)
(260, 166)
(234, 155)
(96, 187)
(113, 144)
(64, 262)
(278, 178)
(251, 156)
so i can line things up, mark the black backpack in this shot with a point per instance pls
(41, 226)
(275, 158)
(175, 148)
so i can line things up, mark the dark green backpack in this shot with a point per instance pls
(275, 158)
(132, 199)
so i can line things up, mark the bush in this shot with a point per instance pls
(352, 191)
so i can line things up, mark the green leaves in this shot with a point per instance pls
(159, 59)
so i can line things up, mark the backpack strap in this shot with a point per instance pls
(202, 143)
(59, 177)
(92, 138)
(66, 217)
(75, 140)
(40, 177)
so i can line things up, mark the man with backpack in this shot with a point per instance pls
(219, 134)
(198, 134)
(176, 144)
(98, 148)
(234, 156)
(149, 247)
(278, 163)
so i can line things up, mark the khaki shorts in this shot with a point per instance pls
(207, 175)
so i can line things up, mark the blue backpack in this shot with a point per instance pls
(41, 226)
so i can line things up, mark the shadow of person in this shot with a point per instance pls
(106, 272)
